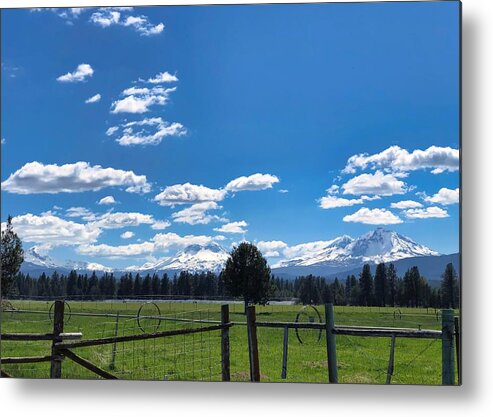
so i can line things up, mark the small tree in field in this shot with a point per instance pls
(246, 274)
(12, 257)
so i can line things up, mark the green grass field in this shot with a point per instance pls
(198, 356)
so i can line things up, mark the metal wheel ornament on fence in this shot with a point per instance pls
(67, 312)
(149, 317)
(308, 314)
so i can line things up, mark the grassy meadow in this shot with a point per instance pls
(198, 356)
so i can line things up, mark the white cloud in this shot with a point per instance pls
(110, 16)
(377, 183)
(163, 77)
(283, 191)
(81, 212)
(3, 141)
(305, 249)
(51, 230)
(142, 135)
(373, 216)
(93, 99)
(188, 194)
(105, 18)
(67, 13)
(160, 225)
(80, 74)
(406, 204)
(197, 213)
(120, 220)
(395, 158)
(426, 213)
(233, 227)
(108, 200)
(127, 235)
(122, 251)
(111, 130)
(271, 248)
(141, 99)
(166, 241)
(331, 201)
(253, 182)
(445, 196)
(36, 177)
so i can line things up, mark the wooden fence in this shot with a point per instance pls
(64, 343)
(450, 329)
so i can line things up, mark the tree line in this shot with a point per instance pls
(384, 288)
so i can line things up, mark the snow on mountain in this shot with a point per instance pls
(379, 245)
(36, 258)
(35, 261)
(86, 266)
(193, 258)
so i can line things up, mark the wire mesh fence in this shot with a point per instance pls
(197, 356)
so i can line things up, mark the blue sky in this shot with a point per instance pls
(265, 107)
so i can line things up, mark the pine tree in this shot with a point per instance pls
(380, 285)
(449, 288)
(392, 284)
(366, 286)
(246, 274)
(12, 256)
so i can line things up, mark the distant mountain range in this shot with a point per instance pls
(339, 257)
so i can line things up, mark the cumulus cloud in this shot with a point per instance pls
(149, 131)
(331, 201)
(305, 249)
(69, 14)
(233, 227)
(120, 220)
(188, 194)
(36, 178)
(127, 235)
(160, 225)
(197, 213)
(50, 230)
(426, 213)
(81, 212)
(406, 204)
(140, 100)
(108, 200)
(166, 241)
(111, 16)
(122, 251)
(82, 72)
(395, 158)
(163, 77)
(253, 182)
(372, 216)
(93, 99)
(377, 183)
(445, 196)
(271, 248)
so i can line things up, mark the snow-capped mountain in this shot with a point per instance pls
(193, 258)
(86, 266)
(36, 258)
(36, 263)
(344, 252)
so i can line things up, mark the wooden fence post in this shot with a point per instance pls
(56, 358)
(225, 349)
(448, 366)
(284, 371)
(252, 344)
(331, 343)
(458, 352)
